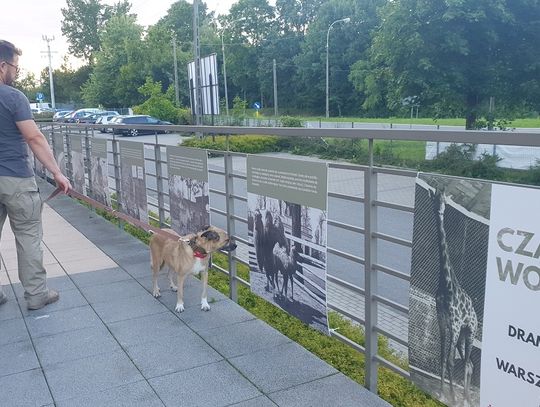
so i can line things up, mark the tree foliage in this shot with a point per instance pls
(452, 55)
(83, 21)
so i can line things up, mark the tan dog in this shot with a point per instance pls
(186, 255)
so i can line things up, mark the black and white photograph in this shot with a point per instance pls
(189, 204)
(287, 230)
(189, 201)
(133, 181)
(287, 257)
(59, 151)
(98, 170)
(448, 280)
(77, 163)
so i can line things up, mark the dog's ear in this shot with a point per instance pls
(205, 227)
(210, 235)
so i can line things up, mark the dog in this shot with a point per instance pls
(287, 265)
(184, 256)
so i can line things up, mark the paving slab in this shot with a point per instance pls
(217, 385)
(138, 394)
(73, 345)
(322, 393)
(281, 367)
(17, 357)
(83, 377)
(25, 389)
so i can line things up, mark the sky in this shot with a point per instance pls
(25, 22)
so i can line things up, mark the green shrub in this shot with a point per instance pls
(242, 144)
(290, 121)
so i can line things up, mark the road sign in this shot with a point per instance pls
(256, 105)
(39, 96)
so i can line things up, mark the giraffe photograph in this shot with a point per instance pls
(448, 278)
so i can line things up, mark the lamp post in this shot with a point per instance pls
(225, 74)
(343, 20)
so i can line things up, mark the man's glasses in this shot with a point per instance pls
(17, 69)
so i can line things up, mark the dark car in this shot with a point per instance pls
(138, 119)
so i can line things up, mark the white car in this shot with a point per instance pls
(105, 120)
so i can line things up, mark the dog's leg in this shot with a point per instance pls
(180, 293)
(204, 301)
(155, 271)
(171, 275)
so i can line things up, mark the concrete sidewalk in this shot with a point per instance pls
(108, 342)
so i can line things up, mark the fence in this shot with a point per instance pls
(370, 218)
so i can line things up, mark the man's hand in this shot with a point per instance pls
(62, 182)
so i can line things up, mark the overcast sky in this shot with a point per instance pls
(24, 22)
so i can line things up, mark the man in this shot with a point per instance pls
(19, 195)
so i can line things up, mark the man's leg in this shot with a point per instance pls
(24, 212)
(3, 214)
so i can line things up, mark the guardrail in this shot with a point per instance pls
(366, 194)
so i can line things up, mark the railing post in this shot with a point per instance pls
(117, 183)
(159, 187)
(69, 167)
(229, 200)
(370, 275)
(87, 163)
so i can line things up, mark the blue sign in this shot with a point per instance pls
(256, 105)
(39, 96)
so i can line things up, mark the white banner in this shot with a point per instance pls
(510, 372)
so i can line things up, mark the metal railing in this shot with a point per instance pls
(371, 260)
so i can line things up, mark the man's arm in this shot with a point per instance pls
(39, 146)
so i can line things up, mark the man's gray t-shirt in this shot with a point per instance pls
(14, 107)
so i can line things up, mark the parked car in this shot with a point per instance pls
(105, 119)
(61, 113)
(138, 119)
(78, 114)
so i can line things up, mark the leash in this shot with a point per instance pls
(126, 218)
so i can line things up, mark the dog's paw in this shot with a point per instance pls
(156, 293)
(174, 288)
(179, 307)
(204, 305)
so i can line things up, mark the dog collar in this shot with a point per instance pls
(199, 254)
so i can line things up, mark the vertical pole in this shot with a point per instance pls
(159, 179)
(212, 109)
(370, 275)
(176, 89)
(197, 58)
(117, 184)
(87, 162)
(225, 75)
(229, 188)
(51, 83)
(275, 91)
(327, 103)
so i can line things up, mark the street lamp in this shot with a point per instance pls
(343, 20)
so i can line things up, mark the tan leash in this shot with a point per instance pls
(129, 219)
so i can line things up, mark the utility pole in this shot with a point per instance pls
(197, 56)
(275, 91)
(176, 89)
(51, 83)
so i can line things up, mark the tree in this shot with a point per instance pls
(67, 83)
(83, 21)
(247, 28)
(120, 66)
(347, 44)
(454, 55)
